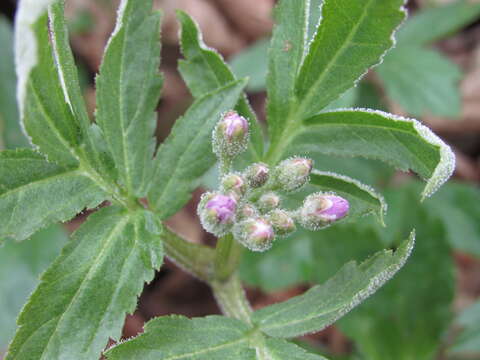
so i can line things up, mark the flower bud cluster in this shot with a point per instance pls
(248, 203)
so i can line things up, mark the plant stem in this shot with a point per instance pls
(231, 298)
(194, 258)
(227, 257)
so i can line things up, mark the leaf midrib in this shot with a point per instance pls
(120, 225)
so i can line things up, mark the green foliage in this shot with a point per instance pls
(467, 341)
(421, 295)
(204, 71)
(26, 175)
(278, 349)
(21, 263)
(107, 261)
(177, 162)
(323, 304)
(402, 143)
(252, 63)
(10, 134)
(176, 337)
(127, 98)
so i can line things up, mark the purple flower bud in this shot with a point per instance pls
(268, 201)
(254, 233)
(291, 174)
(281, 221)
(320, 210)
(257, 175)
(230, 136)
(217, 212)
(234, 183)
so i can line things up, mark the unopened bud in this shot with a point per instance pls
(234, 183)
(230, 136)
(217, 212)
(291, 174)
(254, 233)
(268, 201)
(247, 211)
(320, 210)
(282, 222)
(257, 174)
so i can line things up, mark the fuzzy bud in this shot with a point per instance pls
(320, 210)
(247, 211)
(230, 136)
(268, 201)
(282, 222)
(234, 183)
(254, 233)
(217, 212)
(291, 174)
(257, 175)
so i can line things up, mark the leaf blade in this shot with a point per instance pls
(108, 259)
(33, 193)
(177, 161)
(401, 142)
(205, 71)
(359, 25)
(176, 337)
(127, 97)
(357, 282)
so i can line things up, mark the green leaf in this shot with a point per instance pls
(408, 317)
(35, 193)
(403, 143)
(128, 89)
(421, 81)
(324, 304)
(44, 109)
(278, 349)
(205, 71)
(177, 337)
(83, 296)
(252, 63)
(467, 342)
(10, 133)
(431, 24)
(288, 47)
(362, 198)
(21, 263)
(352, 37)
(187, 154)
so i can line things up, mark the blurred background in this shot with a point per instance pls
(431, 309)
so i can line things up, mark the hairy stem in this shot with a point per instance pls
(194, 258)
(231, 298)
(227, 257)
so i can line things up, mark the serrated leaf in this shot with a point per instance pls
(323, 304)
(44, 111)
(362, 198)
(35, 193)
(278, 349)
(288, 47)
(128, 89)
(21, 263)
(177, 337)
(409, 316)
(431, 24)
(403, 143)
(187, 152)
(10, 133)
(351, 38)
(467, 342)
(83, 296)
(421, 81)
(205, 71)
